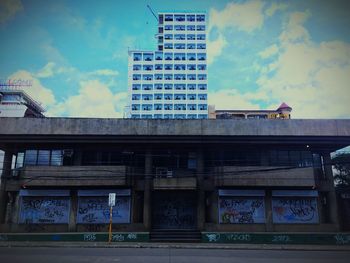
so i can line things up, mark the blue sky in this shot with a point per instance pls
(260, 53)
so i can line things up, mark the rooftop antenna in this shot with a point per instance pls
(150, 9)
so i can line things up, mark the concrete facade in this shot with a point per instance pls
(207, 175)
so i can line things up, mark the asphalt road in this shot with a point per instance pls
(154, 255)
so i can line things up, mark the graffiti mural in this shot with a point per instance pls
(295, 210)
(174, 210)
(95, 210)
(44, 210)
(241, 211)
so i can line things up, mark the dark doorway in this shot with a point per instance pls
(174, 210)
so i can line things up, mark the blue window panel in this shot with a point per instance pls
(293, 210)
(95, 210)
(44, 210)
(241, 210)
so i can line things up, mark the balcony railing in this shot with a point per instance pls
(71, 175)
(264, 176)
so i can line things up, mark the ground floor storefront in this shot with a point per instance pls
(221, 210)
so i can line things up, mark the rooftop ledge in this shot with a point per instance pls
(162, 127)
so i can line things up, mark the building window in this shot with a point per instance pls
(191, 18)
(202, 77)
(135, 106)
(191, 56)
(158, 86)
(136, 77)
(168, 76)
(158, 116)
(191, 67)
(168, 116)
(180, 18)
(158, 67)
(202, 86)
(191, 96)
(179, 37)
(147, 57)
(168, 96)
(191, 86)
(168, 107)
(168, 46)
(39, 207)
(179, 56)
(168, 27)
(200, 18)
(147, 67)
(202, 116)
(168, 56)
(294, 207)
(179, 28)
(191, 28)
(135, 116)
(191, 116)
(179, 67)
(158, 76)
(202, 106)
(147, 77)
(180, 116)
(168, 86)
(201, 67)
(168, 67)
(241, 206)
(169, 18)
(137, 56)
(93, 204)
(168, 36)
(158, 96)
(180, 46)
(147, 107)
(179, 107)
(147, 86)
(136, 67)
(201, 56)
(200, 28)
(191, 37)
(192, 106)
(157, 106)
(135, 97)
(200, 37)
(180, 87)
(201, 46)
(147, 97)
(191, 46)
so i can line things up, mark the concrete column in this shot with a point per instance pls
(147, 209)
(268, 211)
(6, 173)
(200, 191)
(331, 197)
(77, 158)
(72, 226)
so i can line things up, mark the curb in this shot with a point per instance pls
(174, 246)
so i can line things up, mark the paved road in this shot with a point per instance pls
(154, 255)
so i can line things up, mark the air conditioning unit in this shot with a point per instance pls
(164, 172)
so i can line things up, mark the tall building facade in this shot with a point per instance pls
(172, 81)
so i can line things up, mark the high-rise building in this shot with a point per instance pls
(172, 81)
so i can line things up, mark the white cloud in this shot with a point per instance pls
(37, 91)
(9, 8)
(312, 78)
(269, 51)
(215, 48)
(95, 99)
(274, 7)
(46, 71)
(246, 16)
(105, 72)
(231, 99)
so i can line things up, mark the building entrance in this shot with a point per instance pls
(174, 210)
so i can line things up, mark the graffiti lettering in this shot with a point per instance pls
(213, 237)
(132, 236)
(89, 237)
(281, 239)
(287, 210)
(3, 238)
(238, 237)
(342, 239)
(241, 211)
(117, 237)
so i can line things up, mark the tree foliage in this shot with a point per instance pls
(341, 164)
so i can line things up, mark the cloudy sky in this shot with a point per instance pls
(260, 52)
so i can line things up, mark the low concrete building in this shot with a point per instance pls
(282, 112)
(195, 175)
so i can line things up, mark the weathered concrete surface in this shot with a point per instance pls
(92, 126)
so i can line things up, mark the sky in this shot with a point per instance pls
(260, 53)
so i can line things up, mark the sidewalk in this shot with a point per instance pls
(175, 246)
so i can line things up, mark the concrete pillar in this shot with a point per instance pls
(72, 226)
(200, 191)
(6, 173)
(268, 211)
(147, 209)
(331, 196)
(77, 158)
